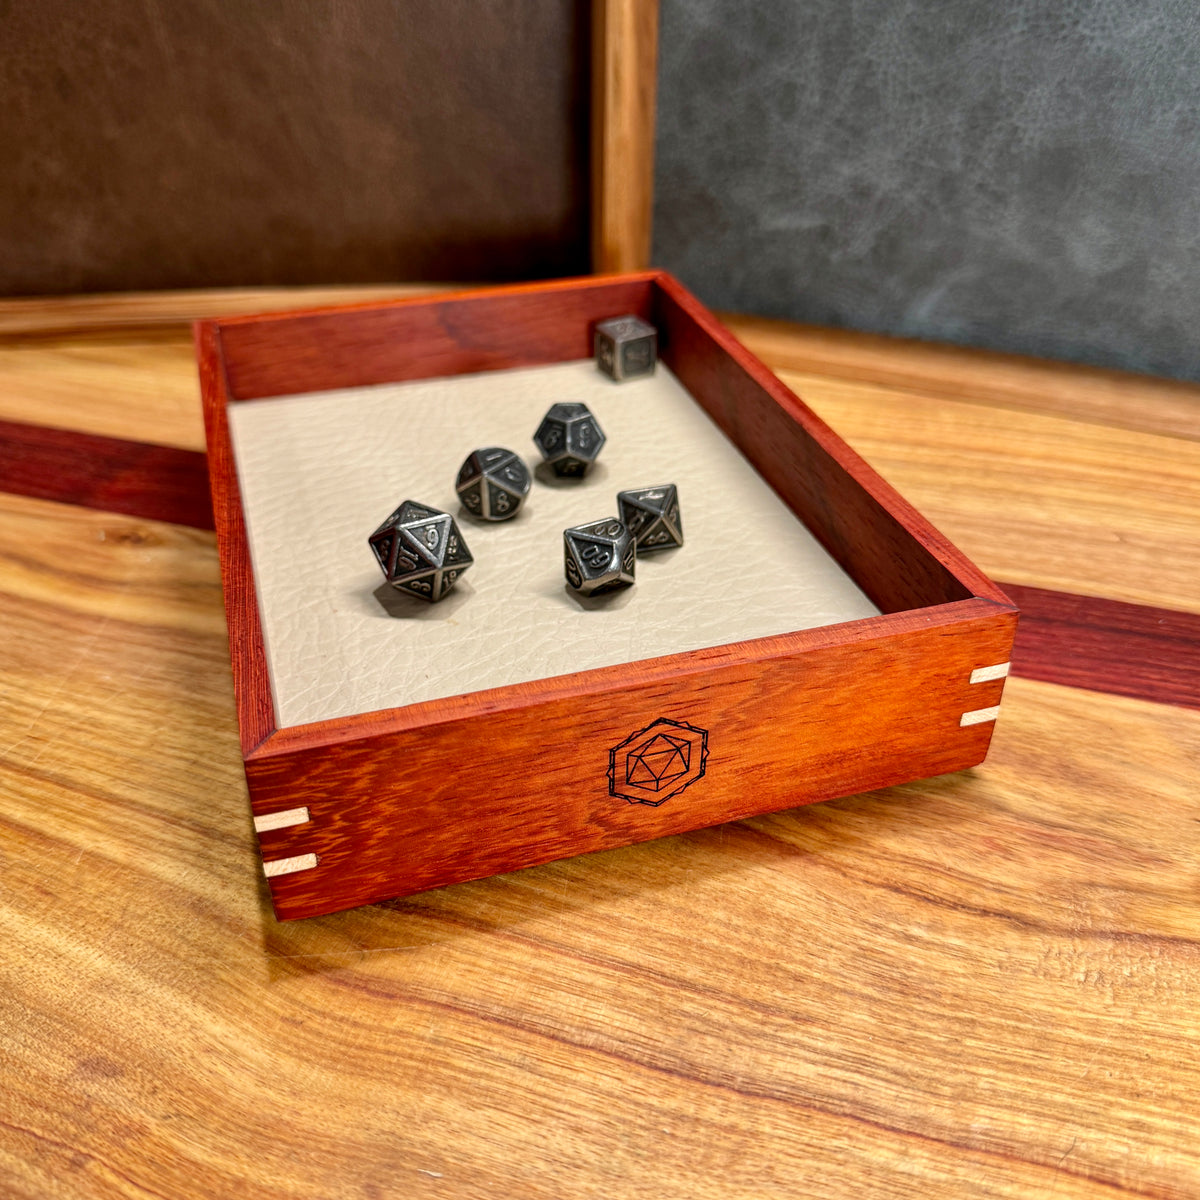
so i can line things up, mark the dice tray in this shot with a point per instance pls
(358, 809)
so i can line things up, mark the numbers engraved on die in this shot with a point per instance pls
(594, 555)
(658, 537)
(501, 502)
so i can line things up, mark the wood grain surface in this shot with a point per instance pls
(1036, 499)
(965, 373)
(983, 985)
(93, 317)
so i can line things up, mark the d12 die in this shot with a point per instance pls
(599, 557)
(569, 438)
(420, 550)
(493, 483)
(626, 347)
(652, 517)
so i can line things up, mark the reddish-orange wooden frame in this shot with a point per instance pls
(434, 793)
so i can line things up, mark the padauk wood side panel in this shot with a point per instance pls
(487, 330)
(251, 678)
(420, 808)
(896, 556)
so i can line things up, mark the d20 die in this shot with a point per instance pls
(492, 483)
(599, 557)
(652, 517)
(569, 438)
(626, 347)
(420, 550)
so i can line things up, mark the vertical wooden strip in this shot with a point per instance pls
(624, 78)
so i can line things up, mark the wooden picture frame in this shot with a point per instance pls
(356, 810)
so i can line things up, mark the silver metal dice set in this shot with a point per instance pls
(421, 549)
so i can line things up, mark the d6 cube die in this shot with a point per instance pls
(599, 557)
(625, 347)
(420, 550)
(652, 517)
(492, 483)
(569, 438)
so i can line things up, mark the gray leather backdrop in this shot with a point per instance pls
(1020, 175)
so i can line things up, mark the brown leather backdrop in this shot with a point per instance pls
(184, 143)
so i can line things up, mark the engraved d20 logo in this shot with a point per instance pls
(655, 763)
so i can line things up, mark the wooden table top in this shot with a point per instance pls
(986, 984)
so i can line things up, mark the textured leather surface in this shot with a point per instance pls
(318, 473)
(1024, 176)
(172, 143)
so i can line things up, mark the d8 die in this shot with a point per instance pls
(600, 557)
(569, 438)
(493, 483)
(652, 517)
(420, 550)
(625, 347)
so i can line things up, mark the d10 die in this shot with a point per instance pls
(420, 550)
(652, 517)
(600, 557)
(625, 347)
(569, 438)
(493, 483)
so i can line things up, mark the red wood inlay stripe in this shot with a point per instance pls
(159, 483)
(1081, 641)
(1107, 645)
